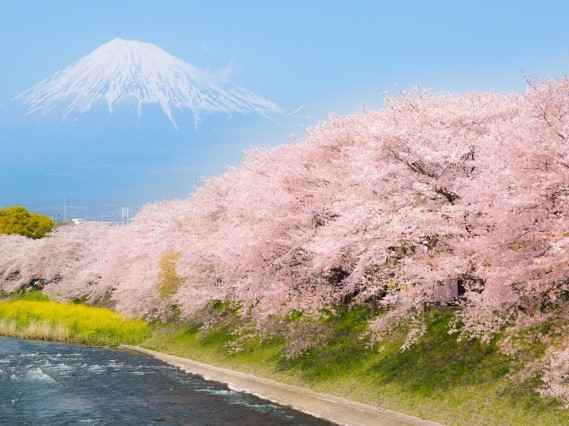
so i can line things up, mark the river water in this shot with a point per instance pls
(59, 384)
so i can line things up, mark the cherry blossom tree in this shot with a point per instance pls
(436, 199)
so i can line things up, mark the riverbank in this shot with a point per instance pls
(34, 317)
(438, 377)
(328, 407)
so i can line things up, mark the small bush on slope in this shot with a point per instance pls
(170, 281)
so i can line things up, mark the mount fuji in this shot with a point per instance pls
(124, 70)
(109, 153)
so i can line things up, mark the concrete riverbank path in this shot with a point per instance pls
(332, 408)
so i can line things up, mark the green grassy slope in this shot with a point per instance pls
(456, 383)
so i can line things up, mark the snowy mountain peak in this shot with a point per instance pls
(127, 69)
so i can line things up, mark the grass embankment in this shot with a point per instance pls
(33, 316)
(455, 383)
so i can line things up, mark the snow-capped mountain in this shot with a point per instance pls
(123, 69)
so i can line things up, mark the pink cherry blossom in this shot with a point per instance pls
(435, 199)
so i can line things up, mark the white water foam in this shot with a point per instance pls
(38, 375)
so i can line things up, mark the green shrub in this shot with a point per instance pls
(170, 281)
(17, 220)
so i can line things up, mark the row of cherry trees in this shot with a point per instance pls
(459, 199)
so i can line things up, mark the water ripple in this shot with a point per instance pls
(56, 384)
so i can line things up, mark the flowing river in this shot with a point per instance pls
(60, 384)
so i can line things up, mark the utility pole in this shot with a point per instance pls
(125, 213)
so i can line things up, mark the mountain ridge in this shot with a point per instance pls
(121, 69)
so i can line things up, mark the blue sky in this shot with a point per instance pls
(329, 56)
